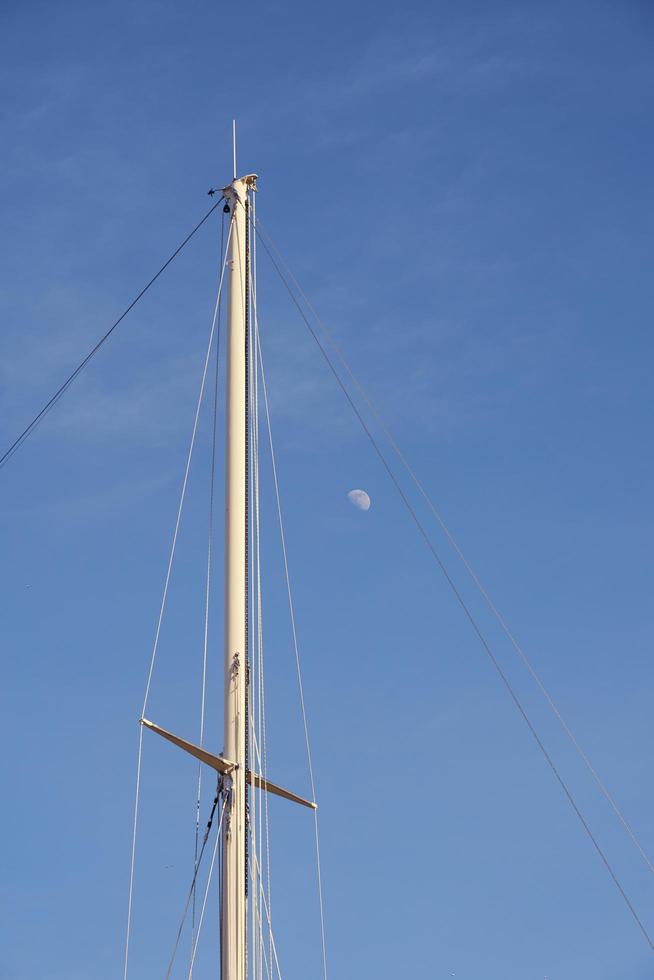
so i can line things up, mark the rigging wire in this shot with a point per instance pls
(155, 647)
(244, 293)
(465, 561)
(263, 958)
(461, 601)
(216, 848)
(27, 431)
(254, 727)
(252, 750)
(191, 891)
(259, 711)
(207, 594)
(297, 661)
(272, 938)
(258, 355)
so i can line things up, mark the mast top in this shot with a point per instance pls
(239, 187)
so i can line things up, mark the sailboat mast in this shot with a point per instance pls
(234, 882)
(233, 765)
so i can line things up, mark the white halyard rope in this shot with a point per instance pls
(253, 713)
(258, 729)
(206, 889)
(297, 659)
(273, 945)
(162, 607)
(207, 594)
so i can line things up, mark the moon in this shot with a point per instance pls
(360, 499)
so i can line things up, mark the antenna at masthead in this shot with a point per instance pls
(234, 145)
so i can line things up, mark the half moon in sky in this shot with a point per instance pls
(360, 499)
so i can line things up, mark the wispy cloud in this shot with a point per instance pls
(386, 64)
(150, 408)
(136, 389)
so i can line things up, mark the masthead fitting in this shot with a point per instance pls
(239, 187)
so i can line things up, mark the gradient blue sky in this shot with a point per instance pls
(465, 191)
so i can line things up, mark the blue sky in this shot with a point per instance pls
(464, 190)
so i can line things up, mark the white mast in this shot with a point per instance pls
(233, 765)
(234, 907)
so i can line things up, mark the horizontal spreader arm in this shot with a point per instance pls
(215, 761)
(224, 766)
(256, 780)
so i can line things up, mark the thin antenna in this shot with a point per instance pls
(234, 144)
